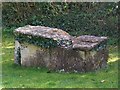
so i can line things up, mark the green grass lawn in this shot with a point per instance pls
(14, 76)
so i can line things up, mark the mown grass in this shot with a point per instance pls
(14, 76)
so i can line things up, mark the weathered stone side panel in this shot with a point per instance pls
(62, 59)
(34, 55)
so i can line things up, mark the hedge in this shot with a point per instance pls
(75, 18)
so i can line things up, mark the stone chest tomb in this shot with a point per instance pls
(55, 49)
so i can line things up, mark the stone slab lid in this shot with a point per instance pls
(42, 31)
(84, 42)
(87, 42)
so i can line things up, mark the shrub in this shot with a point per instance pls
(75, 18)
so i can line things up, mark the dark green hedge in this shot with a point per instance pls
(75, 18)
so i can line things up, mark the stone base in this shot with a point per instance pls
(68, 60)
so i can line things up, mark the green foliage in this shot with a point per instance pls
(40, 41)
(79, 18)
